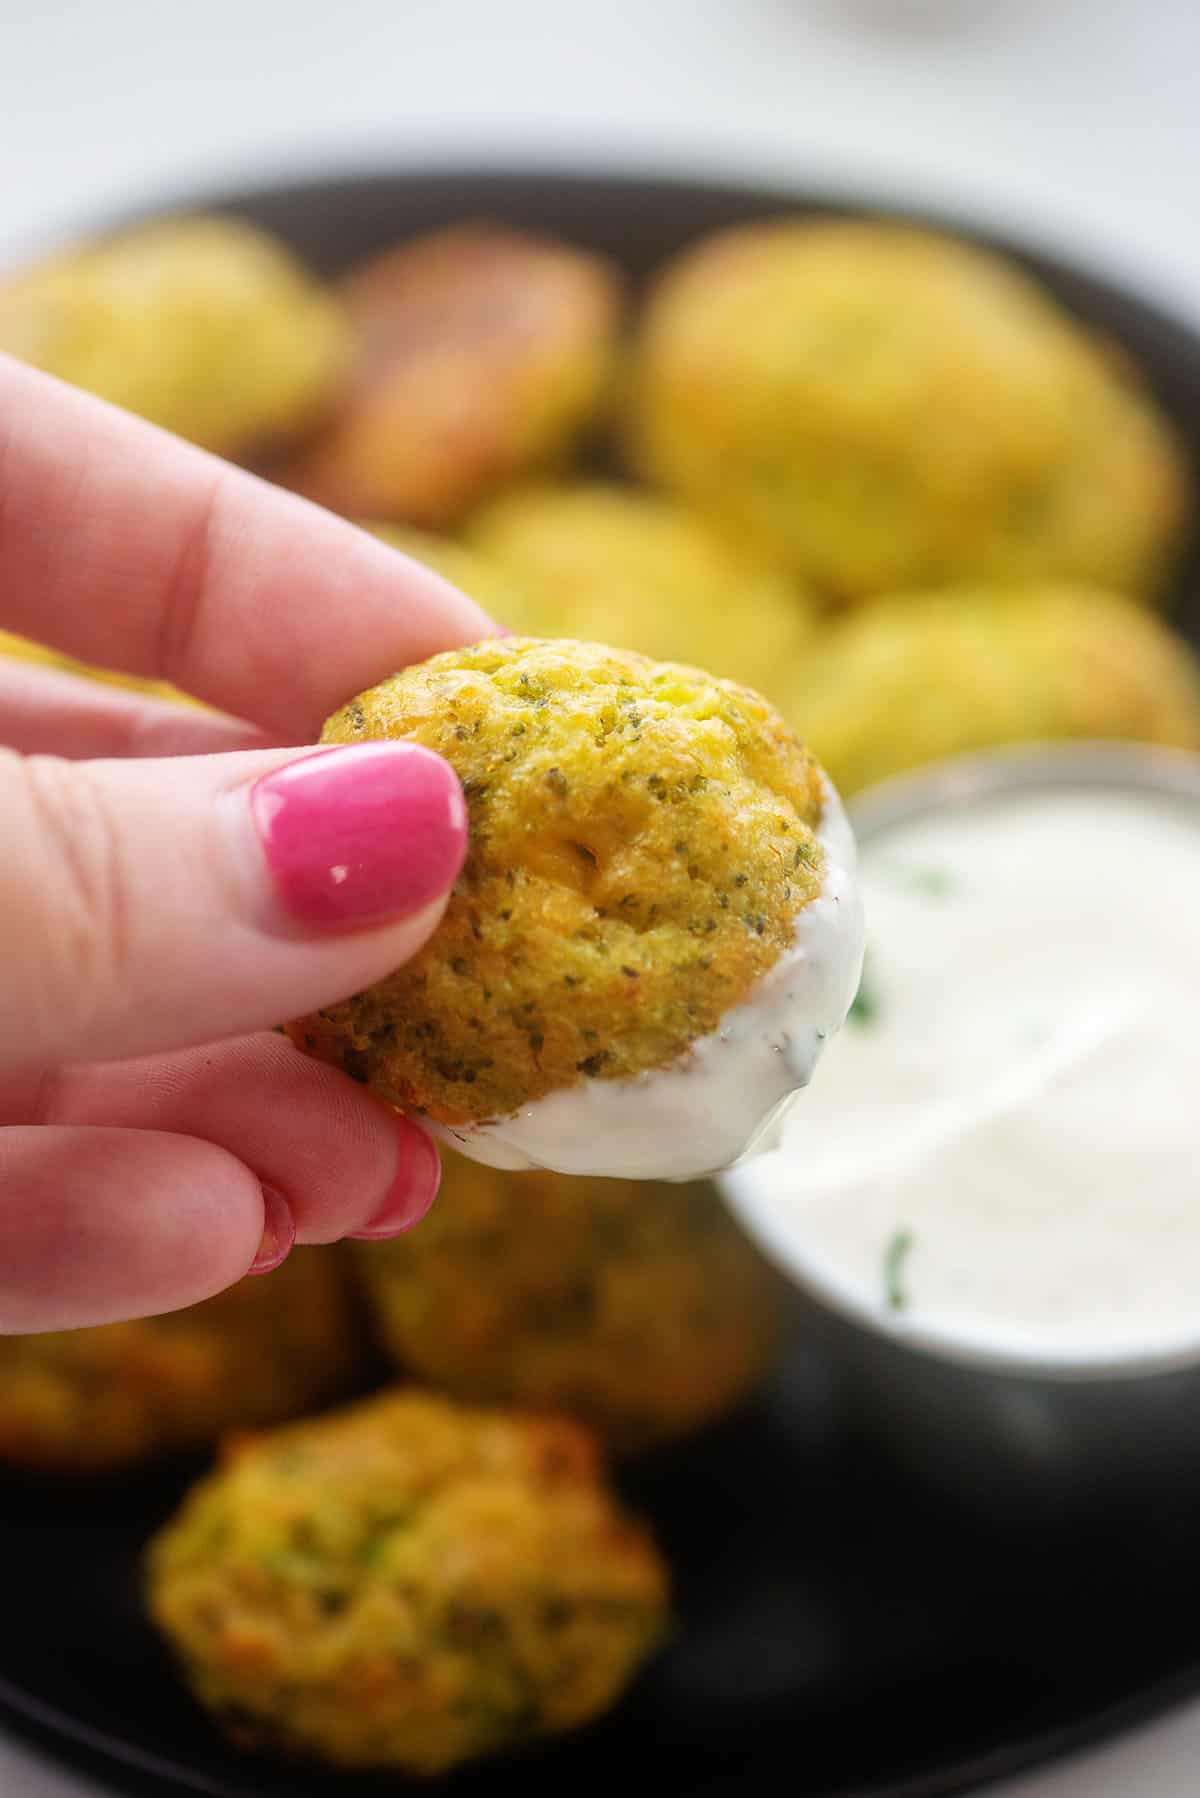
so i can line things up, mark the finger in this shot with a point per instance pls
(147, 905)
(97, 1225)
(129, 548)
(44, 711)
(344, 1163)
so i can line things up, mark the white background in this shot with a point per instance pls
(1073, 122)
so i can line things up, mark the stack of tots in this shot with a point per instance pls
(804, 415)
(869, 471)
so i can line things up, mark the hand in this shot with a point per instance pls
(197, 882)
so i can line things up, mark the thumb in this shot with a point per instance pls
(152, 904)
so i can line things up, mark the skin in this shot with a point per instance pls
(642, 840)
(407, 1584)
(135, 1186)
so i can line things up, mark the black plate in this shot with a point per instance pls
(836, 1625)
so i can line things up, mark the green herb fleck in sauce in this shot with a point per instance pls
(864, 1010)
(934, 883)
(894, 1260)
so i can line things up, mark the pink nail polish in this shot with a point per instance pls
(359, 835)
(279, 1233)
(418, 1176)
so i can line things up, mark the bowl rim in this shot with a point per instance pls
(960, 784)
(836, 189)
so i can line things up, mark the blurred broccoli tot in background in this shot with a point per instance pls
(24, 649)
(408, 1584)
(83, 1401)
(640, 1308)
(206, 326)
(881, 406)
(911, 678)
(466, 568)
(617, 565)
(482, 354)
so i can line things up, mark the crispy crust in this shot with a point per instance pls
(642, 840)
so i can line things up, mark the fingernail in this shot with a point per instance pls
(418, 1176)
(360, 835)
(279, 1233)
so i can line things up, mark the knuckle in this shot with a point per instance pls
(76, 937)
(189, 585)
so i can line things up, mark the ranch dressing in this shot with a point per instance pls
(1005, 1156)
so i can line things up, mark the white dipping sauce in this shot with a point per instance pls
(725, 1097)
(1005, 1158)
